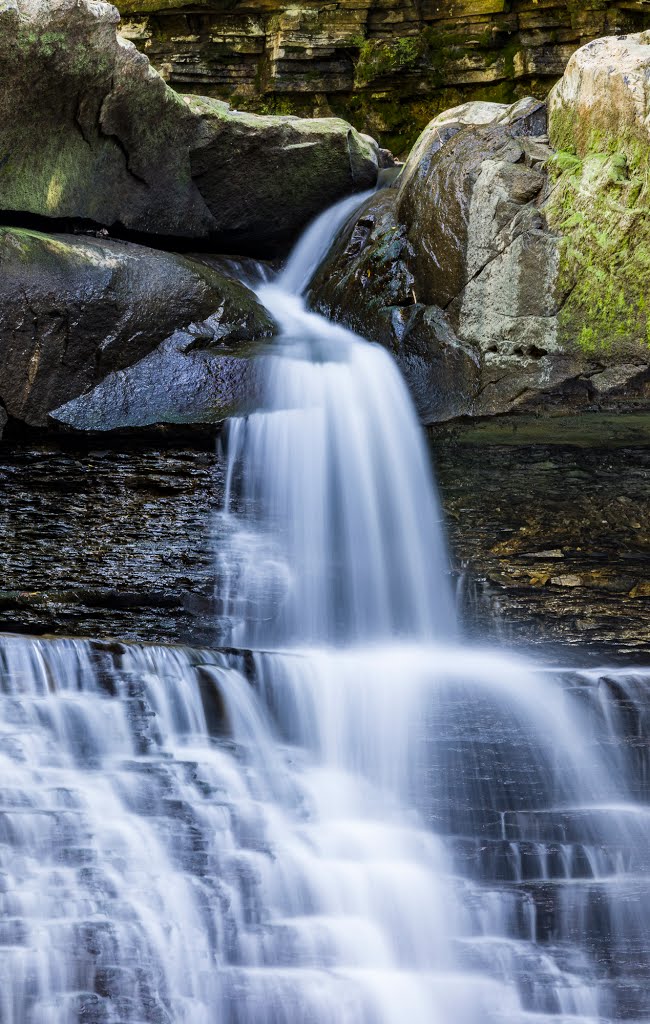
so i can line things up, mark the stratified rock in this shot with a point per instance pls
(386, 65)
(76, 308)
(89, 130)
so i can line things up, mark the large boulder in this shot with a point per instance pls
(434, 257)
(477, 270)
(263, 175)
(598, 118)
(195, 377)
(76, 309)
(88, 130)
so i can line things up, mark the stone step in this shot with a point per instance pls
(502, 860)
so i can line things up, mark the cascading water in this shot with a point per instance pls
(354, 821)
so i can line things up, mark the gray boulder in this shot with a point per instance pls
(74, 309)
(262, 176)
(461, 270)
(88, 130)
(193, 377)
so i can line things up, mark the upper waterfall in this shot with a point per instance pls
(338, 536)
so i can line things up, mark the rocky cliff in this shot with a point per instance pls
(386, 65)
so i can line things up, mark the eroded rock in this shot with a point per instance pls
(74, 309)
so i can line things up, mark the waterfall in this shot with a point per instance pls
(354, 819)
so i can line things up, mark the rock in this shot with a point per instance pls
(604, 91)
(458, 248)
(90, 131)
(367, 283)
(262, 176)
(189, 379)
(527, 117)
(134, 541)
(88, 128)
(74, 309)
(532, 267)
(386, 65)
(600, 198)
(562, 498)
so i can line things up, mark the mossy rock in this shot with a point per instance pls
(600, 200)
(89, 131)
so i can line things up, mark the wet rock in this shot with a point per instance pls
(181, 382)
(548, 524)
(135, 532)
(74, 309)
(89, 130)
(462, 237)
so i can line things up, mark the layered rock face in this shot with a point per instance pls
(386, 65)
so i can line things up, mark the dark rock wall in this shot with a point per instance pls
(386, 65)
(550, 543)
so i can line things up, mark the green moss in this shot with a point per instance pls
(567, 162)
(599, 205)
(379, 58)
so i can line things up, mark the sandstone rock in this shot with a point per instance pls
(76, 308)
(89, 130)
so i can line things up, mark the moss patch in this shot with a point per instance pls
(600, 205)
(379, 58)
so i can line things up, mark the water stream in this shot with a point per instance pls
(355, 820)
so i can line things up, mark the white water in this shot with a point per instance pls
(363, 822)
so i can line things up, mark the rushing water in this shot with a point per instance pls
(356, 820)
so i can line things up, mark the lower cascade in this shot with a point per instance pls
(342, 815)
